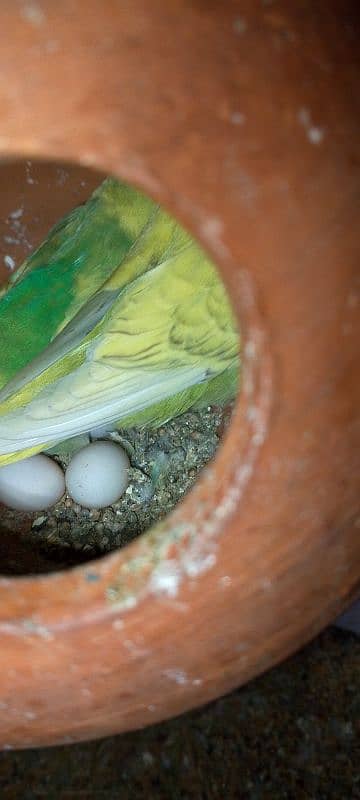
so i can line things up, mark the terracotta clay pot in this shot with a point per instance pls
(241, 119)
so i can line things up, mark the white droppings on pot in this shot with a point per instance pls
(250, 349)
(9, 262)
(195, 566)
(252, 413)
(135, 649)
(212, 229)
(225, 581)
(126, 604)
(34, 14)
(182, 608)
(314, 133)
(118, 624)
(165, 578)
(176, 675)
(30, 715)
(33, 628)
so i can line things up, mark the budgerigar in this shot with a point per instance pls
(118, 319)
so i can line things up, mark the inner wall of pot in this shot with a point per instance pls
(34, 196)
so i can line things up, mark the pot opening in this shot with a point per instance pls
(77, 332)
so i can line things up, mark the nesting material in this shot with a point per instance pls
(34, 484)
(98, 475)
(165, 463)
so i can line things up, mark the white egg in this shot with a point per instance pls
(34, 484)
(98, 475)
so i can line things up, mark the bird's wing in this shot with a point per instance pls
(79, 254)
(168, 330)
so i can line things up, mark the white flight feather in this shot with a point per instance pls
(41, 422)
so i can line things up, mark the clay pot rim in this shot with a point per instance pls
(120, 580)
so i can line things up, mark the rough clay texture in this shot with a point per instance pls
(292, 734)
(277, 211)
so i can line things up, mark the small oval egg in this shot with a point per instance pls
(33, 484)
(98, 475)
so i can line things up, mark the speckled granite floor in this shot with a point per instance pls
(291, 734)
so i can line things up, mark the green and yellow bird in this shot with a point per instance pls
(118, 319)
